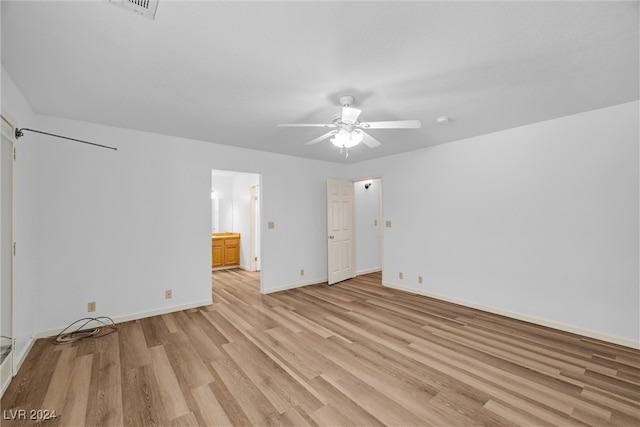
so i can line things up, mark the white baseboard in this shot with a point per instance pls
(228, 267)
(295, 285)
(626, 342)
(136, 316)
(22, 356)
(314, 282)
(371, 270)
(231, 267)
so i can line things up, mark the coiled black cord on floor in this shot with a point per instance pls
(79, 333)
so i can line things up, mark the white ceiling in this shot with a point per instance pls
(229, 72)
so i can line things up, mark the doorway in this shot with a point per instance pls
(235, 209)
(368, 225)
(354, 228)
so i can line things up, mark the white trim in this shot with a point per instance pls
(17, 361)
(371, 270)
(227, 267)
(14, 239)
(23, 356)
(626, 342)
(254, 228)
(295, 285)
(126, 318)
(5, 372)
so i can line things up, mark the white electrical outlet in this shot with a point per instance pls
(168, 294)
(302, 271)
(401, 275)
(91, 306)
(419, 279)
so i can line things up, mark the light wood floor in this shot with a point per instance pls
(352, 354)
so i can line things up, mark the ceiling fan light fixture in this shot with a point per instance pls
(348, 132)
(146, 8)
(347, 139)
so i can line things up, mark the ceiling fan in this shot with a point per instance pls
(348, 131)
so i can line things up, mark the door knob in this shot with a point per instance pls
(331, 237)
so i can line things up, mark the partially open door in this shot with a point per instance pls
(7, 254)
(340, 235)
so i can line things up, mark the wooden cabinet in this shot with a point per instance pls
(225, 249)
(217, 253)
(231, 251)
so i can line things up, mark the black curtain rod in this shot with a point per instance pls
(20, 134)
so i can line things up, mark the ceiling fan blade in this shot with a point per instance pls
(350, 115)
(394, 124)
(299, 125)
(370, 141)
(320, 138)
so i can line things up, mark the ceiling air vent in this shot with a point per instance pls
(145, 8)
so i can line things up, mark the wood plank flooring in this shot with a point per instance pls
(353, 354)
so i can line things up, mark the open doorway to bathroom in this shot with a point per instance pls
(235, 225)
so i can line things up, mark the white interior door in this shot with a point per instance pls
(340, 238)
(7, 236)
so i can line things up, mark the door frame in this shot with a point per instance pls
(354, 181)
(215, 171)
(381, 212)
(254, 253)
(9, 368)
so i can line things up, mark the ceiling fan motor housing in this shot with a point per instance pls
(346, 100)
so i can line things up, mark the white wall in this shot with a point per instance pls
(120, 227)
(368, 222)
(27, 271)
(540, 221)
(141, 218)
